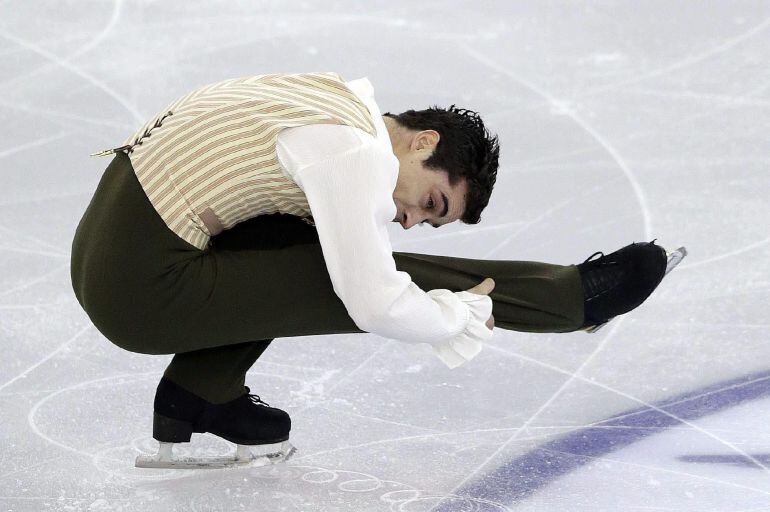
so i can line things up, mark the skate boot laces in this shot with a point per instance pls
(255, 398)
(598, 275)
(594, 254)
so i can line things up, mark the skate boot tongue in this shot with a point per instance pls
(600, 276)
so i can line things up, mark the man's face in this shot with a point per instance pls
(423, 194)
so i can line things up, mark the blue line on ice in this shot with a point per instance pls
(524, 475)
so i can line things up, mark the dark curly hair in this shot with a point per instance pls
(465, 150)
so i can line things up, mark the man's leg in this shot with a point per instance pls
(528, 296)
(218, 374)
(215, 374)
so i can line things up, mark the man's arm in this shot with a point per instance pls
(350, 196)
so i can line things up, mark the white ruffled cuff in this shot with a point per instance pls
(468, 343)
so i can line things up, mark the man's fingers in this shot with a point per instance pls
(484, 287)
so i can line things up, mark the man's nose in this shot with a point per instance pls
(412, 217)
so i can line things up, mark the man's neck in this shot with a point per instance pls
(394, 131)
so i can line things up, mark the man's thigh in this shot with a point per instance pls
(263, 278)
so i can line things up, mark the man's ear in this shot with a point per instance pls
(427, 138)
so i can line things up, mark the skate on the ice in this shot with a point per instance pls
(619, 282)
(260, 432)
(256, 455)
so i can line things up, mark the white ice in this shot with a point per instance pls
(618, 122)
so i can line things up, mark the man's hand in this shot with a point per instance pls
(485, 288)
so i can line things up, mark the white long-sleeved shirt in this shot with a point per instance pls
(348, 177)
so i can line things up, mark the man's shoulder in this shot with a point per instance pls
(361, 87)
(323, 140)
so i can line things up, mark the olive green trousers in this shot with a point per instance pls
(148, 291)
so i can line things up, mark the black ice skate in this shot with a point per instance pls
(246, 421)
(619, 282)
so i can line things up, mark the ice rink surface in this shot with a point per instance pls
(618, 122)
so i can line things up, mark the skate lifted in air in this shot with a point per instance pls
(674, 258)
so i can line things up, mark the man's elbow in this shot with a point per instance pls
(366, 320)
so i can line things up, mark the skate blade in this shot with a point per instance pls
(595, 328)
(673, 259)
(243, 456)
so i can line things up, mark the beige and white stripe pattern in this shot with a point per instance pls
(208, 160)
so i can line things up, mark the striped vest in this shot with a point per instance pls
(208, 160)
